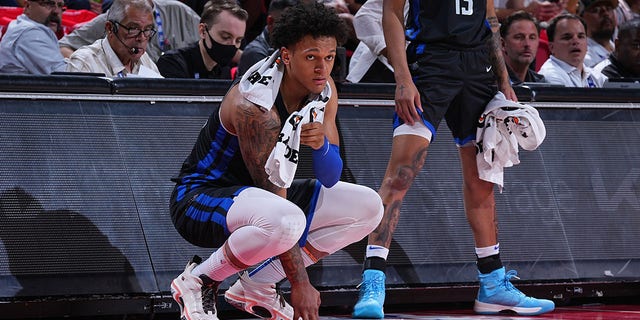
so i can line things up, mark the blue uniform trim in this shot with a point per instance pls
(397, 122)
(182, 190)
(464, 141)
(312, 210)
(206, 208)
(413, 21)
(213, 165)
(221, 151)
(262, 265)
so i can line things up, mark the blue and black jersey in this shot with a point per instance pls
(216, 160)
(456, 24)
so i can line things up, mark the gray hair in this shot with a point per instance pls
(118, 10)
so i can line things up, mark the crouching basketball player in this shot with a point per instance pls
(224, 197)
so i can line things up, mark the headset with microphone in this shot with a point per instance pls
(114, 29)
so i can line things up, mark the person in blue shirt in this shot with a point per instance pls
(30, 45)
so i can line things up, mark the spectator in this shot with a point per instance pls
(122, 52)
(543, 11)
(260, 47)
(222, 28)
(624, 62)
(520, 38)
(369, 62)
(599, 16)
(627, 10)
(176, 25)
(30, 45)
(568, 43)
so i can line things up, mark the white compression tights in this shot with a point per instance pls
(264, 225)
(344, 214)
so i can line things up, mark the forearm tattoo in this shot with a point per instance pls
(293, 265)
(495, 50)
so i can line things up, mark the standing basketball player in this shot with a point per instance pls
(224, 197)
(449, 71)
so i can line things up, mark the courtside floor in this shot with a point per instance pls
(583, 312)
(599, 312)
(587, 312)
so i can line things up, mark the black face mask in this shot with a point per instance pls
(220, 53)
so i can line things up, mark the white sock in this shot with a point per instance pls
(216, 267)
(271, 271)
(488, 251)
(376, 251)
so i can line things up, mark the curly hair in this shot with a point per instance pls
(314, 19)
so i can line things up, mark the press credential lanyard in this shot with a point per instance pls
(160, 31)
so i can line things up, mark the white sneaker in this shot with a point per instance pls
(196, 296)
(259, 299)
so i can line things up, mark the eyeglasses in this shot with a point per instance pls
(134, 32)
(52, 4)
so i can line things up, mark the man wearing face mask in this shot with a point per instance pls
(30, 45)
(221, 30)
(123, 52)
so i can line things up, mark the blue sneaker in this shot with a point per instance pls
(371, 300)
(497, 294)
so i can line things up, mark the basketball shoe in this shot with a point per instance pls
(260, 299)
(196, 295)
(372, 292)
(497, 294)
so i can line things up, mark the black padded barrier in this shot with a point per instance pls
(181, 87)
(84, 189)
(54, 84)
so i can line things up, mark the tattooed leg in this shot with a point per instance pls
(408, 155)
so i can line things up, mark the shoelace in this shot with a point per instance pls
(372, 287)
(209, 298)
(280, 297)
(511, 274)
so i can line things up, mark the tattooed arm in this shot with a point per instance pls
(495, 52)
(257, 131)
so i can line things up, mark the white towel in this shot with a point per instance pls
(260, 85)
(283, 161)
(503, 126)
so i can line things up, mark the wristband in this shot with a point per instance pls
(327, 164)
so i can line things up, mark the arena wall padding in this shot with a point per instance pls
(85, 184)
